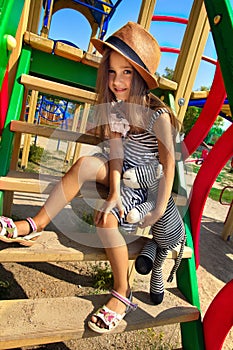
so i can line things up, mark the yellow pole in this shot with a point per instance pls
(27, 137)
(192, 48)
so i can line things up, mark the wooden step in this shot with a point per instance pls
(91, 59)
(53, 132)
(38, 42)
(74, 246)
(40, 183)
(42, 321)
(59, 48)
(68, 51)
(57, 89)
(59, 134)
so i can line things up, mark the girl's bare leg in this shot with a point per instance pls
(85, 169)
(117, 253)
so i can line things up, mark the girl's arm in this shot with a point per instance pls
(164, 131)
(115, 171)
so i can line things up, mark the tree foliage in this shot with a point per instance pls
(169, 73)
(190, 118)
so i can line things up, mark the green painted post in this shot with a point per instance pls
(14, 111)
(220, 16)
(10, 13)
(191, 332)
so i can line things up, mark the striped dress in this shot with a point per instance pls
(168, 232)
(141, 149)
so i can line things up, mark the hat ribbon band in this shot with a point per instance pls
(126, 50)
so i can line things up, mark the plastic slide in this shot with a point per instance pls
(218, 318)
(207, 116)
(213, 164)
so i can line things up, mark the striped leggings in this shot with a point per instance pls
(167, 233)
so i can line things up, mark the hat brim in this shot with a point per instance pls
(150, 79)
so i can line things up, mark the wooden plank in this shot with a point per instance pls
(68, 51)
(91, 59)
(146, 13)
(24, 182)
(34, 16)
(39, 321)
(42, 183)
(167, 84)
(57, 89)
(199, 94)
(38, 42)
(73, 246)
(53, 132)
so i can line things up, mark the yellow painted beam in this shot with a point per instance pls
(192, 48)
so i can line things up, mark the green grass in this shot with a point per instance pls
(216, 192)
(102, 276)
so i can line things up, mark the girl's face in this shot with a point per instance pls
(120, 76)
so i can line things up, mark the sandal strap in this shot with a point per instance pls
(31, 236)
(127, 301)
(109, 317)
(32, 225)
(8, 226)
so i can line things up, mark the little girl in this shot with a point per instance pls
(139, 128)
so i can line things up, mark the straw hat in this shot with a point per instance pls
(138, 46)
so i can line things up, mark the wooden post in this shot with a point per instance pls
(82, 130)
(146, 13)
(93, 34)
(27, 138)
(73, 128)
(228, 226)
(190, 55)
(34, 16)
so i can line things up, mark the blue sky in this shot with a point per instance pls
(71, 25)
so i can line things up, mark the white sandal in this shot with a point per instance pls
(8, 227)
(111, 318)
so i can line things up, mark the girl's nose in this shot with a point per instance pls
(117, 78)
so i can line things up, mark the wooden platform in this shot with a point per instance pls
(41, 321)
(74, 246)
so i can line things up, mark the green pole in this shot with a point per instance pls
(10, 13)
(14, 111)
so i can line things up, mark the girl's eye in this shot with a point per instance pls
(127, 71)
(111, 71)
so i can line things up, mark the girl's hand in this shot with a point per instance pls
(109, 204)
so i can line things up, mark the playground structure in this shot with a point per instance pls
(41, 65)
